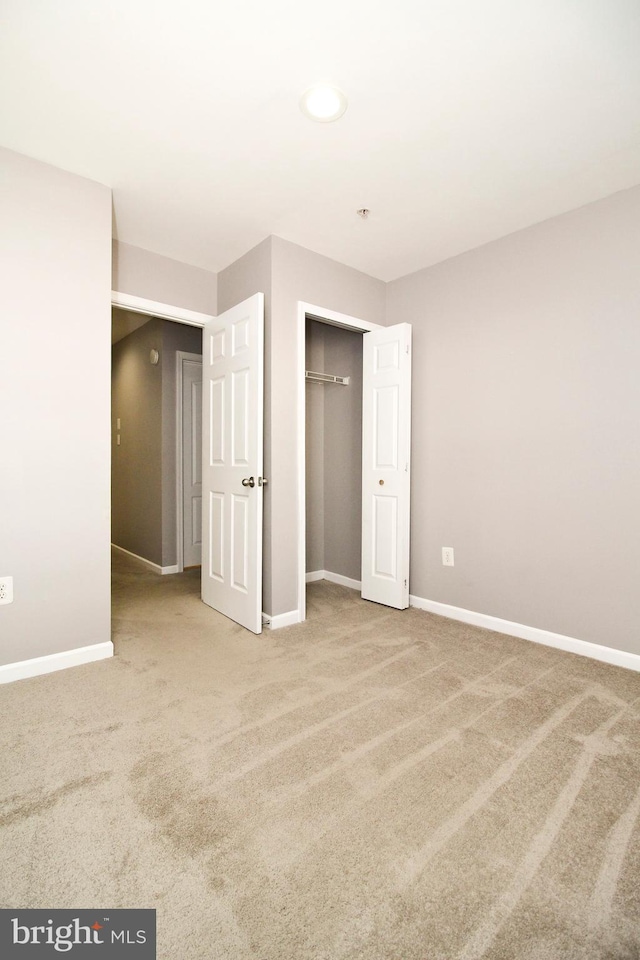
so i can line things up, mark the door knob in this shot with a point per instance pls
(248, 482)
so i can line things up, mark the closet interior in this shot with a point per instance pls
(333, 358)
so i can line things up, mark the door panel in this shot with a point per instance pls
(385, 428)
(216, 421)
(240, 417)
(386, 446)
(385, 520)
(191, 462)
(240, 523)
(216, 523)
(232, 441)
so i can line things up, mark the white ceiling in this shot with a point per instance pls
(467, 119)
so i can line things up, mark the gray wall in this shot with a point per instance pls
(343, 454)
(151, 276)
(55, 251)
(144, 464)
(334, 452)
(526, 404)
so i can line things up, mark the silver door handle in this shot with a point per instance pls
(248, 482)
(262, 482)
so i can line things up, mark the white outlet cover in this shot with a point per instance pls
(447, 557)
(6, 590)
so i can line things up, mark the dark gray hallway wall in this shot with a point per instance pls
(175, 337)
(526, 404)
(144, 464)
(136, 464)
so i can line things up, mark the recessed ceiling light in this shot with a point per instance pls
(323, 103)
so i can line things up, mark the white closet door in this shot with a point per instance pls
(386, 448)
(232, 491)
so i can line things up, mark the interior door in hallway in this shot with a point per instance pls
(232, 490)
(386, 466)
(192, 461)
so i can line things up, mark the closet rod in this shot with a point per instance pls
(325, 378)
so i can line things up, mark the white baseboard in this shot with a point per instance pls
(148, 563)
(55, 661)
(343, 581)
(280, 620)
(619, 658)
(333, 578)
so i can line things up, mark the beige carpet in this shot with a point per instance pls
(369, 784)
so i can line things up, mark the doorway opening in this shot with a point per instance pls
(329, 447)
(333, 454)
(150, 340)
(188, 460)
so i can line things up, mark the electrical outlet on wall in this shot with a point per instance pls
(447, 557)
(6, 589)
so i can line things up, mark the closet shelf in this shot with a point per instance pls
(325, 378)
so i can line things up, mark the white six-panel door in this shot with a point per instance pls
(232, 492)
(386, 447)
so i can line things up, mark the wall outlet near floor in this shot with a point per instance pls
(447, 557)
(6, 589)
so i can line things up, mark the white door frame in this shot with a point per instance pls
(164, 311)
(335, 319)
(194, 357)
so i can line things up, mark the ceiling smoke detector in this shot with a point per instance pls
(323, 103)
(363, 213)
